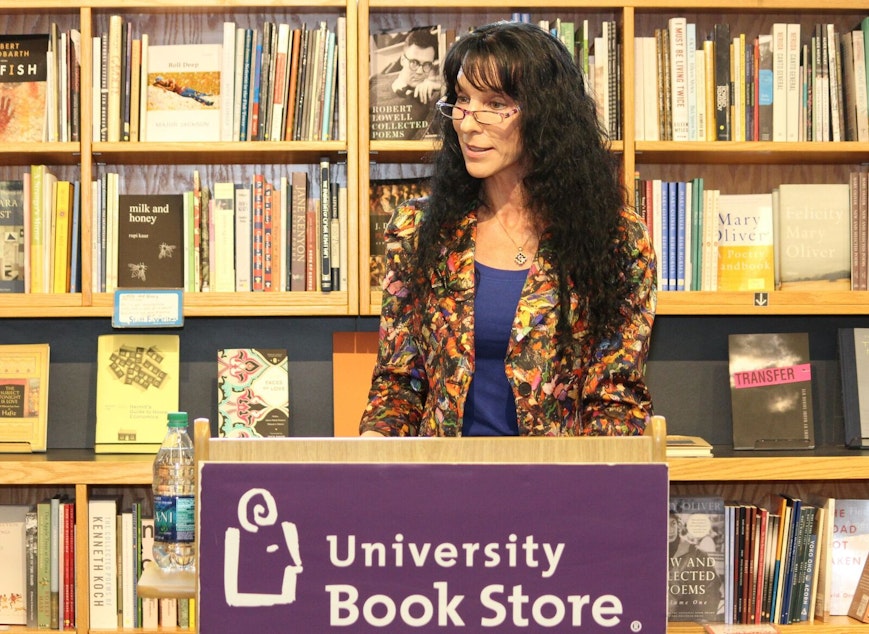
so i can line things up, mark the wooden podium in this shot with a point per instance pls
(431, 534)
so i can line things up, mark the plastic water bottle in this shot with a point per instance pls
(174, 499)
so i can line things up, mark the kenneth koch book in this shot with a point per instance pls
(151, 241)
(23, 87)
(137, 385)
(696, 559)
(183, 93)
(771, 391)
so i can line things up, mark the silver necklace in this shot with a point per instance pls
(520, 258)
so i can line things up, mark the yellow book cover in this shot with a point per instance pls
(23, 397)
(62, 237)
(746, 258)
(137, 385)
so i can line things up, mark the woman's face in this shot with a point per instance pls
(489, 150)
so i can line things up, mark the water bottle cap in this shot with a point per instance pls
(177, 419)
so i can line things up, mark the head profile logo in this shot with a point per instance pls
(258, 514)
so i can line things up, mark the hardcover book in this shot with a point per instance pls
(771, 391)
(151, 241)
(253, 393)
(813, 237)
(384, 195)
(183, 92)
(404, 82)
(746, 256)
(23, 87)
(137, 385)
(854, 368)
(850, 545)
(102, 540)
(24, 371)
(12, 263)
(696, 559)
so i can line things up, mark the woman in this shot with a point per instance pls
(519, 297)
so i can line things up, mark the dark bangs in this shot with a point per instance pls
(487, 63)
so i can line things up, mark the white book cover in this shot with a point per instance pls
(13, 563)
(679, 77)
(700, 94)
(639, 96)
(833, 60)
(792, 80)
(691, 72)
(282, 60)
(860, 88)
(184, 92)
(223, 216)
(227, 81)
(243, 238)
(97, 57)
(779, 82)
(103, 562)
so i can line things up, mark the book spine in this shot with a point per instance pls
(298, 210)
(102, 564)
(325, 226)
(258, 254)
(721, 35)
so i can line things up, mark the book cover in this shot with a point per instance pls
(102, 540)
(150, 241)
(23, 87)
(150, 605)
(854, 369)
(24, 372)
(813, 235)
(137, 385)
(12, 262)
(850, 546)
(746, 256)
(384, 195)
(681, 446)
(183, 93)
(404, 82)
(13, 563)
(253, 393)
(771, 391)
(696, 559)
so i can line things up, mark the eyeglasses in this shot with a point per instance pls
(415, 64)
(483, 117)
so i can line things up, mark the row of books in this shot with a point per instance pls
(273, 83)
(37, 556)
(747, 563)
(290, 234)
(785, 85)
(800, 235)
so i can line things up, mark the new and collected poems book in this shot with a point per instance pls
(151, 241)
(771, 391)
(253, 392)
(23, 80)
(137, 386)
(695, 581)
(24, 397)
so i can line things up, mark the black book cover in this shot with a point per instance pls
(151, 241)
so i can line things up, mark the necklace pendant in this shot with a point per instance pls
(520, 258)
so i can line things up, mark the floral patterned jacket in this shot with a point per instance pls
(426, 354)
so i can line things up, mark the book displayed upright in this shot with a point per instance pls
(771, 391)
(137, 386)
(253, 394)
(696, 559)
(854, 369)
(850, 545)
(151, 241)
(24, 372)
(183, 92)
(13, 563)
(23, 87)
(746, 254)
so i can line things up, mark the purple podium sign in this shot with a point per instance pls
(288, 547)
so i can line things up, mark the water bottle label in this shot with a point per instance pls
(174, 518)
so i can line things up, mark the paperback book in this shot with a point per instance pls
(23, 87)
(24, 371)
(696, 559)
(854, 368)
(183, 93)
(771, 391)
(137, 385)
(253, 393)
(151, 241)
(12, 264)
(404, 82)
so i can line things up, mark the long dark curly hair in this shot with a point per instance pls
(572, 184)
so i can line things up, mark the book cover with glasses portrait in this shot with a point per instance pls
(405, 82)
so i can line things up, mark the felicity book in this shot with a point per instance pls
(771, 391)
(253, 394)
(23, 80)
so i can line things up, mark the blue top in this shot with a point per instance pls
(490, 408)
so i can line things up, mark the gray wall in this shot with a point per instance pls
(687, 370)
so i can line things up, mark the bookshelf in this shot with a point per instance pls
(739, 167)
